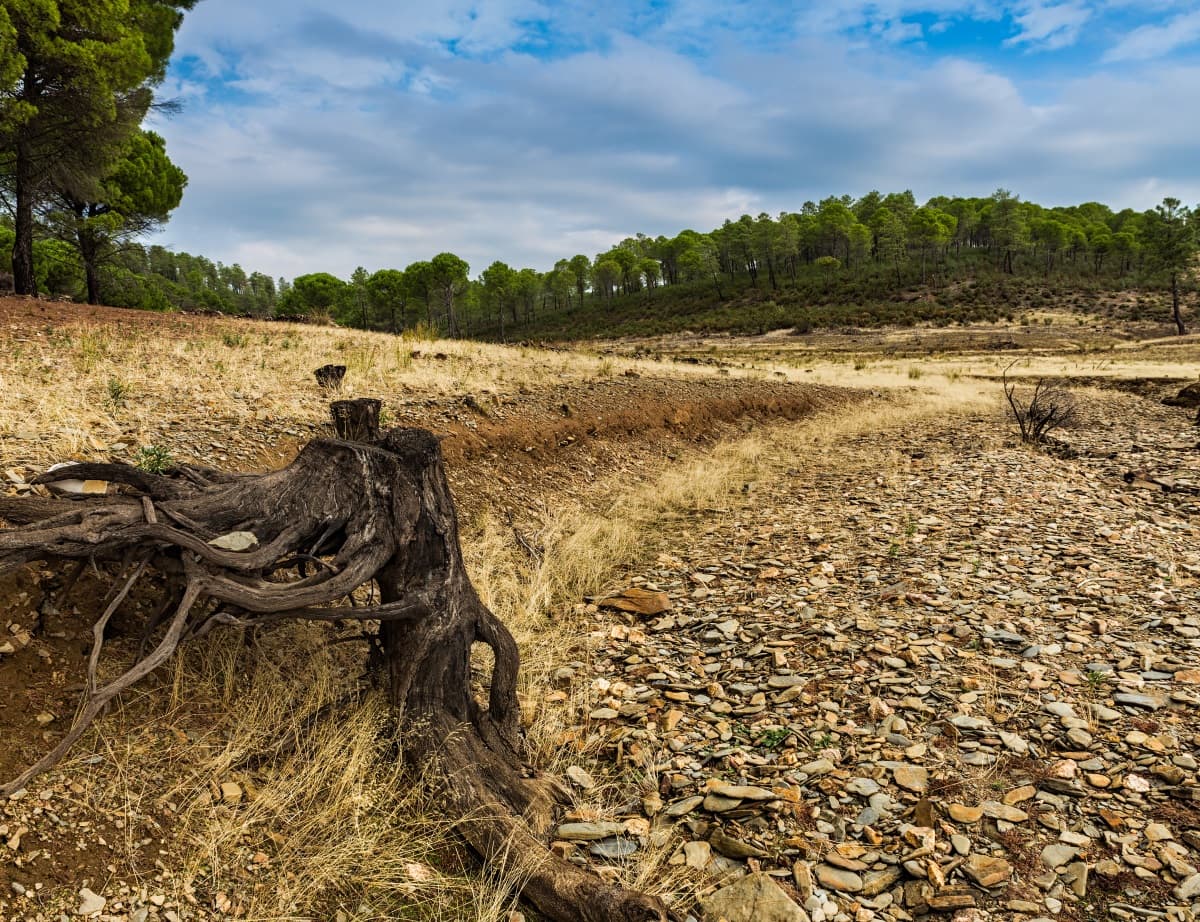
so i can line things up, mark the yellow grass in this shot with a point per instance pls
(75, 391)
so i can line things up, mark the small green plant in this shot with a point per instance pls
(118, 393)
(773, 739)
(1096, 680)
(822, 741)
(235, 340)
(154, 459)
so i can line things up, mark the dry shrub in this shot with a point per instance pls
(1049, 407)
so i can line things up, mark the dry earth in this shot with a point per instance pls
(908, 668)
(928, 670)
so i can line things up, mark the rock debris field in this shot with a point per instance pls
(923, 672)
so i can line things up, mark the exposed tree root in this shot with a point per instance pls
(341, 516)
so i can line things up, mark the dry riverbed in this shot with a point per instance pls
(923, 670)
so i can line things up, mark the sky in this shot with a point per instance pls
(321, 136)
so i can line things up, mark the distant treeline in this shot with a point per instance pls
(862, 259)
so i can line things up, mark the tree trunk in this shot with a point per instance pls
(364, 513)
(1175, 310)
(88, 252)
(24, 281)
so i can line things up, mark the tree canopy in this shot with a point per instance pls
(75, 83)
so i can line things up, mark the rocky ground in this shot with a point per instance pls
(917, 671)
(924, 671)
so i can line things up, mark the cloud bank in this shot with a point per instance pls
(321, 136)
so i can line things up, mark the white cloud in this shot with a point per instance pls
(1147, 42)
(1048, 26)
(373, 145)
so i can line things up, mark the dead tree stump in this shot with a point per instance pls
(330, 376)
(356, 420)
(361, 512)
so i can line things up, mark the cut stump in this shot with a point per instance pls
(362, 511)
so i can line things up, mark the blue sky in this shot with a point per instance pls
(319, 136)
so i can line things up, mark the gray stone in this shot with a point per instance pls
(90, 903)
(614, 848)
(863, 787)
(838, 879)
(753, 898)
(1056, 855)
(1139, 701)
(588, 832)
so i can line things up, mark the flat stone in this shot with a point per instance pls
(963, 814)
(786, 681)
(753, 898)
(90, 903)
(580, 777)
(715, 803)
(614, 848)
(1013, 742)
(638, 602)
(1076, 876)
(838, 879)
(913, 778)
(697, 855)
(966, 722)
(999, 811)
(1188, 889)
(1157, 832)
(986, 871)
(952, 898)
(816, 767)
(863, 787)
(733, 848)
(1106, 867)
(1056, 855)
(588, 832)
(1140, 701)
(683, 807)
(739, 791)
(875, 882)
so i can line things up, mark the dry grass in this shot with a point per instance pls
(73, 391)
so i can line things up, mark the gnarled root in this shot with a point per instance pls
(341, 516)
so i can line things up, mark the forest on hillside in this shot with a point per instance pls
(843, 261)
